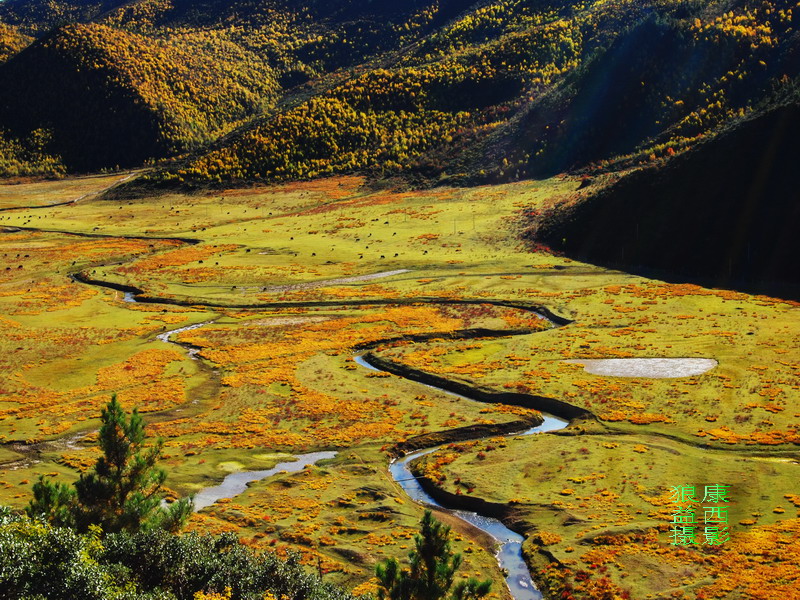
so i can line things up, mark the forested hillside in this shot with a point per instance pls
(277, 90)
(115, 86)
(112, 97)
(39, 16)
(11, 41)
(516, 89)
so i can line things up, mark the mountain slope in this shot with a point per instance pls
(154, 78)
(548, 87)
(40, 16)
(110, 97)
(11, 41)
(452, 90)
(725, 214)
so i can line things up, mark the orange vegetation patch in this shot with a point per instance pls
(140, 381)
(80, 460)
(177, 257)
(263, 363)
(653, 290)
(768, 438)
(766, 564)
(43, 296)
(37, 264)
(765, 560)
(330, 187)
(335, 334)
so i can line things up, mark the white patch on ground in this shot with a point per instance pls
(279, 289)
(653, 368)
(284, 321)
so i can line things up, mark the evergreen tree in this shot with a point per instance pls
(55, 501)
(433, 568)
(123, 491)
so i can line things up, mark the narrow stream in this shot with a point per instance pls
(236, 483)
(193, 352)
(509, 555)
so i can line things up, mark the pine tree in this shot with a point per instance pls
(433, 568)
(123, 491)
(54, 501)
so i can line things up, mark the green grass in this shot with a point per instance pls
(750, 392)
(276, 380)
(604, 487)
(45, 193)
(278, 249)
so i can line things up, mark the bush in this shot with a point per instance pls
(44, 562)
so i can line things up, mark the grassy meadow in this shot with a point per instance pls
(292, 281)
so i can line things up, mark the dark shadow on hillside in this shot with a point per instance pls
(726, 214)
(94, 119)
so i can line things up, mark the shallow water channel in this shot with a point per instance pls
(193, 352)
(509, 555)
(236, 483)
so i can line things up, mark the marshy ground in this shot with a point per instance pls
(291, 281)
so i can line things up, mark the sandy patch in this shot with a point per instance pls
(279, 289)
(284, 321)
(653, 368)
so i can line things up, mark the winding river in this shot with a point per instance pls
(509, 555)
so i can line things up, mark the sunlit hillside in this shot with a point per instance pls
(410, 300)
(493, 91)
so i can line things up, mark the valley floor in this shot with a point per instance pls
(288, 284)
